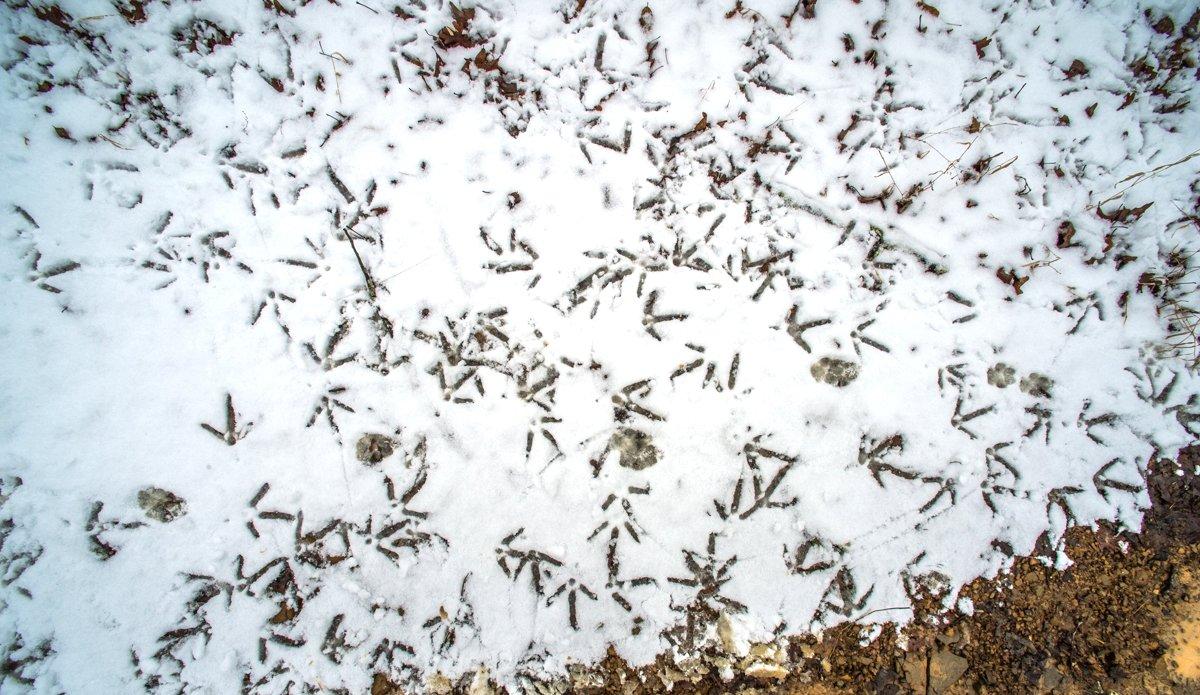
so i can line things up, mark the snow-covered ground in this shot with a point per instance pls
(404, 338)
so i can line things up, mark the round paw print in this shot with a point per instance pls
(1037, 385)
(834, 372)
(161, 505)
(373, 448)
(1001, 375)
(636, 448)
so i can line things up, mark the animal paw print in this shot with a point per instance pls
(834, 371)
(1001, 375)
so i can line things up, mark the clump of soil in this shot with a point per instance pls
(161, 505)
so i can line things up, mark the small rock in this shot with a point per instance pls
(945, 668)
(914, 671)
(834, 372)
(1001, 375)
(769, 651)
(380, 685)
(1051, 678)
(1037, 385)
(480, 684)
(373, 448)
(439, 684)
(950, 637)
(161, 505)
(723, 667)
(732, 635)
(766, 671)
(636, 448)
(887, 682)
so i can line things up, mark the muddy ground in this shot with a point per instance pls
(1123, 618)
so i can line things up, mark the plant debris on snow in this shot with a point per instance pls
(359, 345)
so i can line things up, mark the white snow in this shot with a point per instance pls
(345, 224)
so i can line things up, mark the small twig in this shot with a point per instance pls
(888, 168)
(363, 267)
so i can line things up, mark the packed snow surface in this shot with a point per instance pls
(402, 338)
